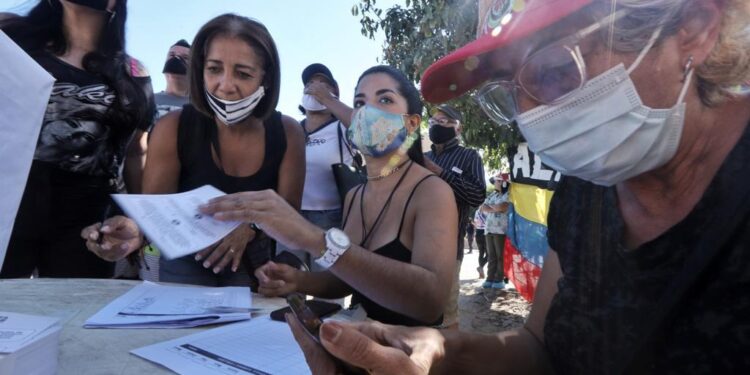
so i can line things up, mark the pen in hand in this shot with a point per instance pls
(105, 216)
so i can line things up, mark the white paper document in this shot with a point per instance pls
(19, 330)
(25, 91)
(28, 344)
(260, 346)
(151, 305)
(173, 223)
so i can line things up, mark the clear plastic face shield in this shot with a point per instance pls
(548, 76)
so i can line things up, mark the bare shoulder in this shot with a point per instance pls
(292, 127)
(432, 189)
(167, 125)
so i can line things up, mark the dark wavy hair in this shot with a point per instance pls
(405, 88)
(42, 30)
(259, 39)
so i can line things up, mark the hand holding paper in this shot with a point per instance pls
(274, 215)
(172, 221)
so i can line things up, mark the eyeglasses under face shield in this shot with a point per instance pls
(548, 76)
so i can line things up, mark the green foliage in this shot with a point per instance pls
(419, 34)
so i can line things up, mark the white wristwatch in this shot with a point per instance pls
(337, 243)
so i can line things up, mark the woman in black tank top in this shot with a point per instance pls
(229, 136)
(401, 225)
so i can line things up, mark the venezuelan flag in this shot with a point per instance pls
(526, 238)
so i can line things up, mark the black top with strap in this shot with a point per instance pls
(394, 250)
(195, 136)
(608, 293)
(197, 133)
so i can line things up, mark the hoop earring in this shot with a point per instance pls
(687, 68)
(111, 17)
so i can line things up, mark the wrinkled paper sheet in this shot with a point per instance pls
(25, 88)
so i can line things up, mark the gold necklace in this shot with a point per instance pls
(388, 173)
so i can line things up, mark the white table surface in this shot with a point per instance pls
(95, 351)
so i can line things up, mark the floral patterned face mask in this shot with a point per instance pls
(376, 133)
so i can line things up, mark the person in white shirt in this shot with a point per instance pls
(325, 144)
(496, 209)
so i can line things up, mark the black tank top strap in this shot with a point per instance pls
(197, 165)
(408, 200)
(276, 139)
(192, 133)
(351, 204)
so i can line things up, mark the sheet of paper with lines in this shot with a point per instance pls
(259, 346)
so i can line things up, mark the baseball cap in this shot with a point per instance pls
(451, 112)
(181, 43)
(501, 22)
(318, 68)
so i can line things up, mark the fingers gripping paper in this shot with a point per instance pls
(172, 221)
(26, 88)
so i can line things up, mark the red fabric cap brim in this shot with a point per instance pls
(455, 74)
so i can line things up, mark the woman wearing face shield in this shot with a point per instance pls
(101, 100)
(231, 137)
(641, 105)
(395, 253)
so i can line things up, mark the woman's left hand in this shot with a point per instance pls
(228, 250)
(272, 214)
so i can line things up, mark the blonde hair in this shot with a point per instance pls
(726, 67)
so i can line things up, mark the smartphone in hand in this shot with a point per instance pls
(312, 322)
(305, 315)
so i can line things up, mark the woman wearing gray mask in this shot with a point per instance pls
(641, 104)
(231, 137)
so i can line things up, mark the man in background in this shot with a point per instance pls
(175, 72)
(462, 169)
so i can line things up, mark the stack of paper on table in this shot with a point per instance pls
(260, 346)
(151, 305)
(28, 344)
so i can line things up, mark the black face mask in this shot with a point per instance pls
(93, 4)
(175, 65)
(441, 134)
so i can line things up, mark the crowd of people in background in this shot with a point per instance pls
(635, 103)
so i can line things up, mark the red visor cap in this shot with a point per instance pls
(467, 67)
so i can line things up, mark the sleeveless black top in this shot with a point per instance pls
(393, 250)
(194, 140)
(198, 167)
(607, 293)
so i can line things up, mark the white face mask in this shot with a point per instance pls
(309, 103)
(232, 112)
(604, 133)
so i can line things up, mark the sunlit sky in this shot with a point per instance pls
(305, 32)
